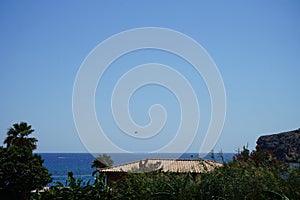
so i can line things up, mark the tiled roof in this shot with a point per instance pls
(165, 165)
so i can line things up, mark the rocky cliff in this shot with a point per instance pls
(285, 146)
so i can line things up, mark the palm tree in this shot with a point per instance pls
(18, 134)
(102, 161)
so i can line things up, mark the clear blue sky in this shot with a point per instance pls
(255, 44)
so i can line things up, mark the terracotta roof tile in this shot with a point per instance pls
(165, 165)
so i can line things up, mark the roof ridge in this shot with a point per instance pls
(171, 159)
(119, 165)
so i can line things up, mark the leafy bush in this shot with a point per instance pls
(76, 189)
(155, 186)
(256, 175)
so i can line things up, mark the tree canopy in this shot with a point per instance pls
(18, 135)
(102, 161)
(21, 171)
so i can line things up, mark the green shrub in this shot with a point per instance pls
(256, 175)
(77, 189)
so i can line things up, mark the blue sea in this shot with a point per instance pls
(59, 164)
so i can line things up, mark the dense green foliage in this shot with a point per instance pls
(21, 171)
(77, 189)
(156, 186)
(255, 175)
